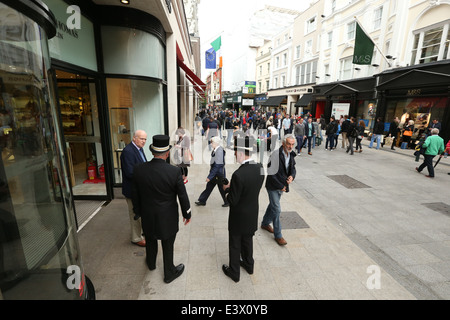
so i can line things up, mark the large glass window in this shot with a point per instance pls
(37, 230)
(133, 52)
(422, 110)
(133, 105)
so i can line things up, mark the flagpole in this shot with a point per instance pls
(360, 25)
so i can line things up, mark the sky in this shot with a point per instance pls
(217, 16)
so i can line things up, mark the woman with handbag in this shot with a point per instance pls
(407, 134)
(183, 153)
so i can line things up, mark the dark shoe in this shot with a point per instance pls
(140, 243)
(151, 268)
(417, 169)
(428, 176)
(392, 149)
(226, 205)
(178, 272)
(227, 270)
(348, 149)
(268, 228)
(248, 269)
(199, 203)
(281, 241)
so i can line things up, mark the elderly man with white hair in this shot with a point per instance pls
(216, 174)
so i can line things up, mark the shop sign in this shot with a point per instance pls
(74, 42)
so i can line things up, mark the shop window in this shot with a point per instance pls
(422, 110)
(133, 105)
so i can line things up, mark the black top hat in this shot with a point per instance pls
(161, 143)
(244, 143)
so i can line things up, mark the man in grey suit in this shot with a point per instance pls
(156, 187)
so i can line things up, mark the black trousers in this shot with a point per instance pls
(428, 162)
(240, 246)
(209, 188)
(151, 251)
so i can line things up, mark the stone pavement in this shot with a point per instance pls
(366, 226)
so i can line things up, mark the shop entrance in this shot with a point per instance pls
(80, 121)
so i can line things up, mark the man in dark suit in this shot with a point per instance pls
(132, 155)
(243, 197)
(280, 173)
(156, 186)
(216, 173)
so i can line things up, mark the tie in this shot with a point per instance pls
(142, 155)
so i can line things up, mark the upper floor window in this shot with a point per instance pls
(351, 30)
(431, 45)
(311, 25)
(284, 59)
(346, 68)
(378, 15)
(330, 39)
(297, 52)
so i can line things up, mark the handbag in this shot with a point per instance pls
(187, 156)
(408, 133)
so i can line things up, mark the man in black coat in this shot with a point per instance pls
(243, 197)
(132, 155)
(280, 173)
(156, 186)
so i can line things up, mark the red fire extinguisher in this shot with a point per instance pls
(101, 170)
(92, 171)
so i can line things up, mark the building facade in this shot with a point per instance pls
(125, 67)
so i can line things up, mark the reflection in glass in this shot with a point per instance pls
(37, 236)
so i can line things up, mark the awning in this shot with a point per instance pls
(198, 84)
(274, 101)
(304, 101)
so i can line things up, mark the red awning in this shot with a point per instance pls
(198, 84)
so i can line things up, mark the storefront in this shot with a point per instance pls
(39, 252)
(420, 93)
(111, 81)
(355, 98)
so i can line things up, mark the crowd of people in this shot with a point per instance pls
(151, 188)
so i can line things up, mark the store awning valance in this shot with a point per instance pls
(304, 101)
(198, 84)
(274, 101)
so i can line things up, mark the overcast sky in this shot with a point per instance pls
(215, 15)
(232, 16)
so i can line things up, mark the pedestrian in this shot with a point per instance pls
(361, 128)
(229, 129)
(280, 173)
(318, 133)
(378, 131)
(336, 135)
(407, 134)
(300, 134)
(393, 131)
(434, 145)
(447, 150)
(183, 153)
(132, 155)
(243, 197)
(352, 134)
(287, 125)
(344, 130)
(434, 124)
(272, 139)
(216, 174)
(309, 133)
(156, 187)
(212, 130)
(330, 132)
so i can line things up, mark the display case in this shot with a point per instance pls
(121, 134)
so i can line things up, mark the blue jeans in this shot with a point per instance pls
(273, 212)
(299, 143)
(375, 136)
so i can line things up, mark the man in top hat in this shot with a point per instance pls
(243, 197)
(132, 155)
(156, 186)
